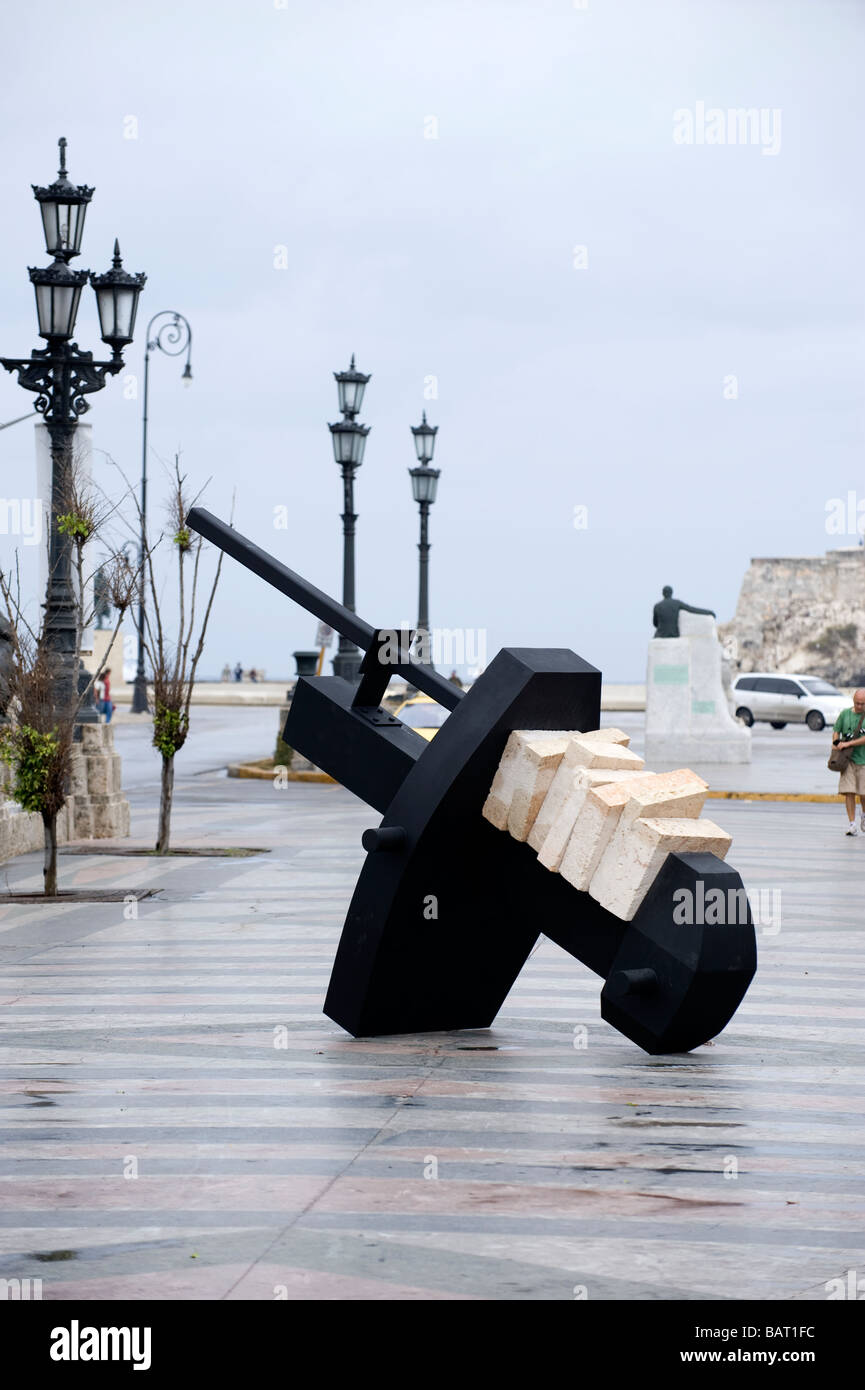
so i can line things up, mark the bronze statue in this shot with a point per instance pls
(665, 615)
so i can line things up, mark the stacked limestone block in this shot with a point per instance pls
(679, 793)
(528, 768)
(584, 802)
(574, 771)
(100, 811)
(552, 843)
(633, 861)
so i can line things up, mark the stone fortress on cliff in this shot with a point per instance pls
(803, 614)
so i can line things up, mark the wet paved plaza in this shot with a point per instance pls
(180, 1120)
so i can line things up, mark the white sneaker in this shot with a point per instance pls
(852, 829)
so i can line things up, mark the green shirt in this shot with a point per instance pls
(846, 725)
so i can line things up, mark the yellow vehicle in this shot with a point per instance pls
(423, 715)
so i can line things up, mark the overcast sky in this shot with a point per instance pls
(565, 378)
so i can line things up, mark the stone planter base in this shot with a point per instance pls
(100, 811)
(95, 810)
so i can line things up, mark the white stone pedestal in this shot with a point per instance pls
(688, 720)
(100, 811)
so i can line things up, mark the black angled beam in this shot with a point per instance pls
(315, 601)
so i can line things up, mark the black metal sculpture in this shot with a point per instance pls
(447, 909)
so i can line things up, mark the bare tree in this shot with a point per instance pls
(37, 742)
(174, 658)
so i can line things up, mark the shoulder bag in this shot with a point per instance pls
(840, 758)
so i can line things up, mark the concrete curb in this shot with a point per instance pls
(775, 796)
(266, 769)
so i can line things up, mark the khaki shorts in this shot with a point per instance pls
(852, 779)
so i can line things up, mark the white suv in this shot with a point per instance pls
(782, 700)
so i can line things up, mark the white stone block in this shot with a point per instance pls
(636, 853)
(574, 756)
(567, 804)
(596, 752)
(562, 781)
(608, 735)
(523, 778)
(599, 816)
(681, 794)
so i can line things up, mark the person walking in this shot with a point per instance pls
(105, 705)
(848, 734)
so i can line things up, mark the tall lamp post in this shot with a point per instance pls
(173, 337)
(424, 481)
(62, 376)
(349, 442)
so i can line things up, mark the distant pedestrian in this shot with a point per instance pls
(238, 672)
(226, 672)
(105, 705)
(455, 680)
(848, 733)
(253, 674)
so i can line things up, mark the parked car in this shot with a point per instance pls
(423, 715)
(781, 700)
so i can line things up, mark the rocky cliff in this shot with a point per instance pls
(802, 614)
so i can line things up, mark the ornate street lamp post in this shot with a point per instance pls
(173, 337)
(62, 376)
(424, 481)
(349, 442)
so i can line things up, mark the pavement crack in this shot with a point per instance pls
(313, 1202)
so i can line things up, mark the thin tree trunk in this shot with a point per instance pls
(49, 868)
(165, 805)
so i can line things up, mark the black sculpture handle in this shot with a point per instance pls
(316, 601)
